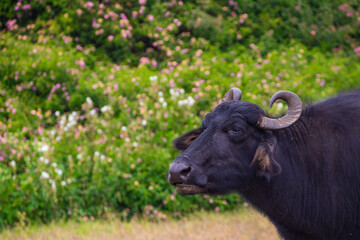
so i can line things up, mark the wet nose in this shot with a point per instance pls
(178, 172)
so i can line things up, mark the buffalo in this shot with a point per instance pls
(301, 170)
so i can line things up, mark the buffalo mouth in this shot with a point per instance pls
(187, 189)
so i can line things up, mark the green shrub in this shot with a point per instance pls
(159, 31)
(108, 146)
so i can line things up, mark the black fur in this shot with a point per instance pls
(308, 182)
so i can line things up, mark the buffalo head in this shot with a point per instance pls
(233, 147)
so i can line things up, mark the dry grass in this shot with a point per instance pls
(244, 225)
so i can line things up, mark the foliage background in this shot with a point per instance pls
(93, 93)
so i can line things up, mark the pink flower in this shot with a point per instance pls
(134, 14)
(144, 60)
(142, 10)
(111, 37)
(79, 12)
(89, 4)
(10, 23)
(82, 64)
(26, 6)
(154, 63)
(123, 16)
(151, 18)
(142, 2)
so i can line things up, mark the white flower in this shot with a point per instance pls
(160, 94)
(13, 163)
(164, 104)
(189, 101)
(161, 99)
(105, 108)
(57, 113)
(92, 112)
(44, 148)
(46, 161)
(135, 144)
(45, 175)
(54, 165)
(123, 128)
(127, 139)
(41, 159)
(52, 132)
(143, 122)
(62, 121)
(177, 93)
(89, 101)
(79, 156)
(53, 184)
(153, 78)
(97, 154)
(102, 157)
(280, 105)
(71, 119)
(63, 183)
(59, 171)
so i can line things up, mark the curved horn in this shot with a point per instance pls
(234, 94)
(294, 111)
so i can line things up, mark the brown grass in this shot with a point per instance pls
(242, 225)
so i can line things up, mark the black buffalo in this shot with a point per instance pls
(302, 170)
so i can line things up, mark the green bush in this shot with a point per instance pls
(106, 145)
(130, 33)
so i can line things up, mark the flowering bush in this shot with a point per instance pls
(154, 32)
(82, 135)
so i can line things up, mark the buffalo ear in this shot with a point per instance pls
(264, 161)
(183, 142)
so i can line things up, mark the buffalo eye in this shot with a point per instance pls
(236, 130)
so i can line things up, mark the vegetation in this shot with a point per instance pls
(244, 225)
(93, 93)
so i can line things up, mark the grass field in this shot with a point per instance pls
(242, 225)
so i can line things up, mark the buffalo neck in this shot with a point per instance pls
(287, 193)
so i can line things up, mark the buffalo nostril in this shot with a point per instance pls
(185, 172)
(178, 172)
